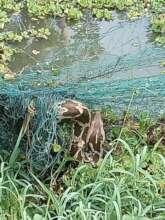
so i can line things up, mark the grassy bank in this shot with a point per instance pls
(129, 183)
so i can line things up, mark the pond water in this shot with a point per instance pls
(86, 41)
(98, 63)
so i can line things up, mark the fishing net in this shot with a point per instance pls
(126, 76)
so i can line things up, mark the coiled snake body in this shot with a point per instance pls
(88, 132)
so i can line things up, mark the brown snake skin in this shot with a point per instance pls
(88, 132)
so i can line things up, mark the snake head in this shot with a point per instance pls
(76, 111)
(70, 109)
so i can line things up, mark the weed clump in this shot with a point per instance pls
(124, 185)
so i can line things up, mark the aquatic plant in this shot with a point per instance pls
(102, 14)
(74, 10)
(5, 57)
(158, 27)
(160, 40)
(73, 13)
(3, 19)
(158, 23)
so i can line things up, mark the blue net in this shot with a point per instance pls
(125, 77)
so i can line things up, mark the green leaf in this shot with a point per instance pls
(38, 217)
(130, 217)
(56, 148)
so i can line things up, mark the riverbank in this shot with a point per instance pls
(127, 184)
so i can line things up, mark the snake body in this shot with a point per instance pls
(88, 131)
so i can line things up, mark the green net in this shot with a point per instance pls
(127, 76)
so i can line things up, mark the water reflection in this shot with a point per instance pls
(88, 40)
(67, 44)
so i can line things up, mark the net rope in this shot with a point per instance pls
(111, 79)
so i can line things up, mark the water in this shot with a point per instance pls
(88, 40)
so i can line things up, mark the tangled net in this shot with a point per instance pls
(100, 82)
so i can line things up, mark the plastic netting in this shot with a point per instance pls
(122, 77)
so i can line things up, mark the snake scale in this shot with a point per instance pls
(88, 131)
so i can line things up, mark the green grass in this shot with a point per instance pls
(128, 185)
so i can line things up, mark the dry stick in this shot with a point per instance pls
(28, 117)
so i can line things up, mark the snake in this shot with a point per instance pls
(88, 131)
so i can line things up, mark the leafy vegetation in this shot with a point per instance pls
(158, 26)
(129, 183)
(160, 40)
(3, 19)
(6, 52)
(74, 9)
(102, 13)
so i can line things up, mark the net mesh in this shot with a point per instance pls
(122, 77)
